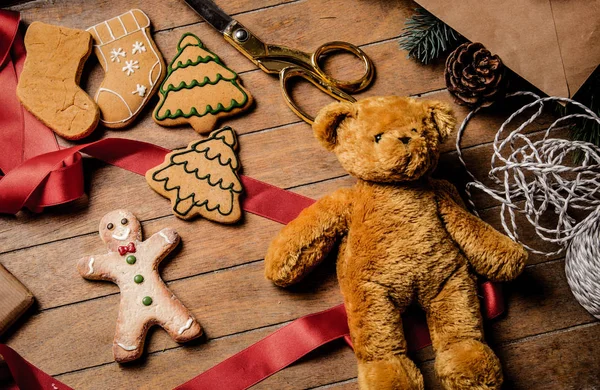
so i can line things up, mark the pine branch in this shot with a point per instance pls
(584, 129)
(588, 130)
(426, 38)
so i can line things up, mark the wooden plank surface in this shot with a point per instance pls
(546, 340)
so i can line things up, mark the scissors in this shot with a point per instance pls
(285, 61)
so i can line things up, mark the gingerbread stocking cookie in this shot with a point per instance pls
(49, 84)
(145, 299)
(133, 65)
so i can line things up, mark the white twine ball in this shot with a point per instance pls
(582, 266)
(535, 178)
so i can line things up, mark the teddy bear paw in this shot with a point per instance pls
(468, 364)
(397, 372)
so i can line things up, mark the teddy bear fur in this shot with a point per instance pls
(402, 238)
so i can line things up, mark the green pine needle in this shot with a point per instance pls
(585, 129)
(426, 38)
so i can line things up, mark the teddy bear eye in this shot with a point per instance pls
(413, 130)
(110, 226)
(378, 137)
(124, 221)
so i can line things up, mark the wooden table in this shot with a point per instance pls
(546, 340)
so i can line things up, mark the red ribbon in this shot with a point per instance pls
(19, 127)
(273, 353)
(26, 375)
(38, 174)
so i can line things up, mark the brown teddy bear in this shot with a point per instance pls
(403, 238)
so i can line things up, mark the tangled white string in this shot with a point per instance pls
(535, 178)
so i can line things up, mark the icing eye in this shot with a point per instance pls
(414, 130)
(110, 226)
(378, 137)
(124, 221)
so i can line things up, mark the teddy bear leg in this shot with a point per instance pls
(463, 360)
(378, 339)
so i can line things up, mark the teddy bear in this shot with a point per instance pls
(402, 238)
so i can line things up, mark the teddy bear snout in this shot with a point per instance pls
(405, 140)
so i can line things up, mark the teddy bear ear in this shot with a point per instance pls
(328, 120)
(442, 117)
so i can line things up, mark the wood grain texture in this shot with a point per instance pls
(546, 340)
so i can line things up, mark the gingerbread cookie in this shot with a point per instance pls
(199, 89)
(134, 67)
(145, 299)
(49, 84)
(202, 179)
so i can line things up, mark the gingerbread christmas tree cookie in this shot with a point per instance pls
(198, 89)
(134, 67)
(145, 299)
(202, 179)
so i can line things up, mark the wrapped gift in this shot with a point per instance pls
(15, 299)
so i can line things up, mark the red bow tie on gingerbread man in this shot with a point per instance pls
(124, 249)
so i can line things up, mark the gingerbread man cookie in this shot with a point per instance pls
(145, 299)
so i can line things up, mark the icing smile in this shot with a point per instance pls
(122, 235)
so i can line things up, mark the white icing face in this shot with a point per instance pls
(119, 227)
(121, 233)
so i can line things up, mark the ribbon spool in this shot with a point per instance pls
(535, 178)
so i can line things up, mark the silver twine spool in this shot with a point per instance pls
(536, 177)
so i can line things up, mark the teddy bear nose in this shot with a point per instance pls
(404, 140)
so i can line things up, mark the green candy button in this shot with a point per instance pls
(147, 301)
(138, 279)
(130, 259)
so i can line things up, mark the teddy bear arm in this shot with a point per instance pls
(95, 267)
(306, 241)
(447, 189)
(491, 253)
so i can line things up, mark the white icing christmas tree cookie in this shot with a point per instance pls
(145, 299)
(134, 67)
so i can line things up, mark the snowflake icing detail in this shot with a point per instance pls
(130, 67)
(140, 90)
(138, 47)
(116, 53)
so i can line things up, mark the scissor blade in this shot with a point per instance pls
(214, 15)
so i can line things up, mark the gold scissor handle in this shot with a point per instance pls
(317, 80)
(351, 86)
(290, 63)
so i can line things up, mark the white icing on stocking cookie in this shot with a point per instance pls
(138, 47)
(140, 90)
(143, 67)
(116, 53)
(145, 299)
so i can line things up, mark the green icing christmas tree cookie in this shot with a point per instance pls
(198, 89)
(202, 179)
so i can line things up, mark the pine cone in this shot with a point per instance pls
(474, 76)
